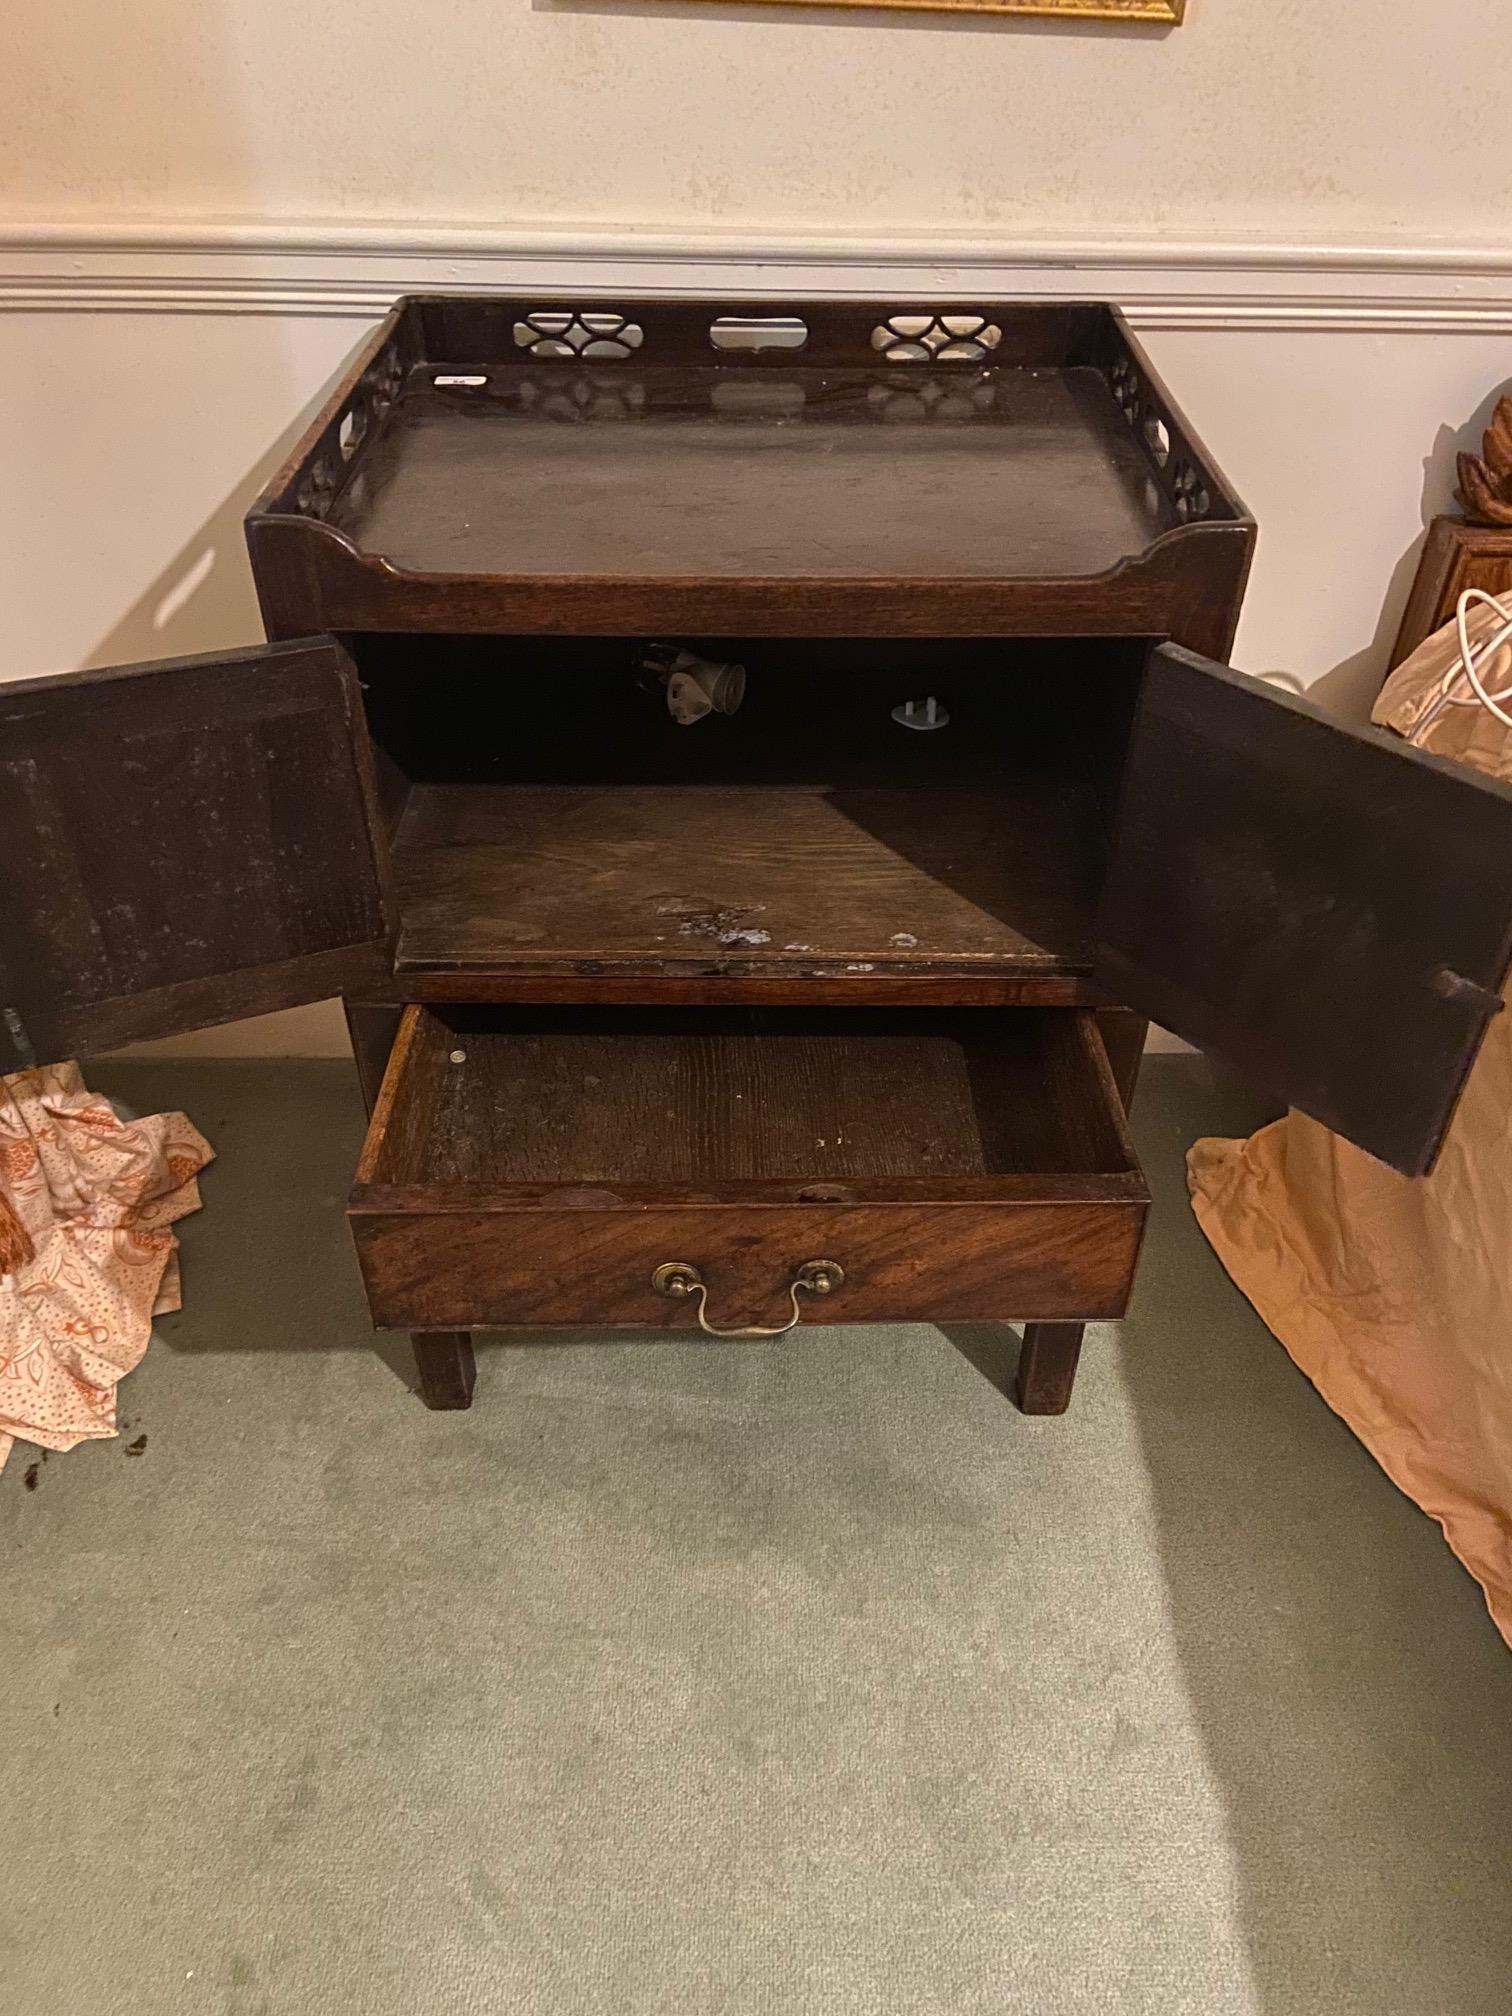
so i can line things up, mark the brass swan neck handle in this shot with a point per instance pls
(678, 1279)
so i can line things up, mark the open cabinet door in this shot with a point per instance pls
(1324, 907)
(184, 843)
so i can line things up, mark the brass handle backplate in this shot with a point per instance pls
(677, 1279)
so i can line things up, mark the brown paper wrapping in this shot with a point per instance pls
(1393, 1294)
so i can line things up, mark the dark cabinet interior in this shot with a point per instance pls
(547, 814)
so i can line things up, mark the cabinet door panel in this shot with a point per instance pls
(184, 843)
(1323, 906)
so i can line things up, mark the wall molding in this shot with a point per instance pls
(355, 270)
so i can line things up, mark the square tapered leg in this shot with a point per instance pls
(1047, 1367)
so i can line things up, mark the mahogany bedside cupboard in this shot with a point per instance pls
(799, 1010)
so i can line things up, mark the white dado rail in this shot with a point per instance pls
(356, 270)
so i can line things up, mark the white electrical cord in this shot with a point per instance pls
(1473, 659)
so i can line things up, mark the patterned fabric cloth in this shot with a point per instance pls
(86, 1256)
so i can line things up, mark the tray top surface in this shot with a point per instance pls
(679, 471)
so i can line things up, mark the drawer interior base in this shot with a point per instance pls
(543, 1097)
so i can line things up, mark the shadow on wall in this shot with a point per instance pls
(203, 599)
(1350, 687)
(1353, 1697)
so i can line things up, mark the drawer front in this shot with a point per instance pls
(1041, 1259)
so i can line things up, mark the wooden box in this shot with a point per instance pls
(1457, 554)
(792, 1012)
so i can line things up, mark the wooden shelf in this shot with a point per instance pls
(775, 879)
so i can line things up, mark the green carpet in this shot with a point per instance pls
(799, 1679)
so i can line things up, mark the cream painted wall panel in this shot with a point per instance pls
(1343, 447)
(1278, 116)
(133, 445)
(316, 1031)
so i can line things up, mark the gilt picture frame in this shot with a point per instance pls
(1163, 13)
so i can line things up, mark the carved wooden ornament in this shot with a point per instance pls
(1485, 480)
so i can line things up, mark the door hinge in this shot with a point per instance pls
(1469, 993)
(21, 1043)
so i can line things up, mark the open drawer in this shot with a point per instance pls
(565, 1166)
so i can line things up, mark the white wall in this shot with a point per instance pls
(203, 205)
(1290, 117)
